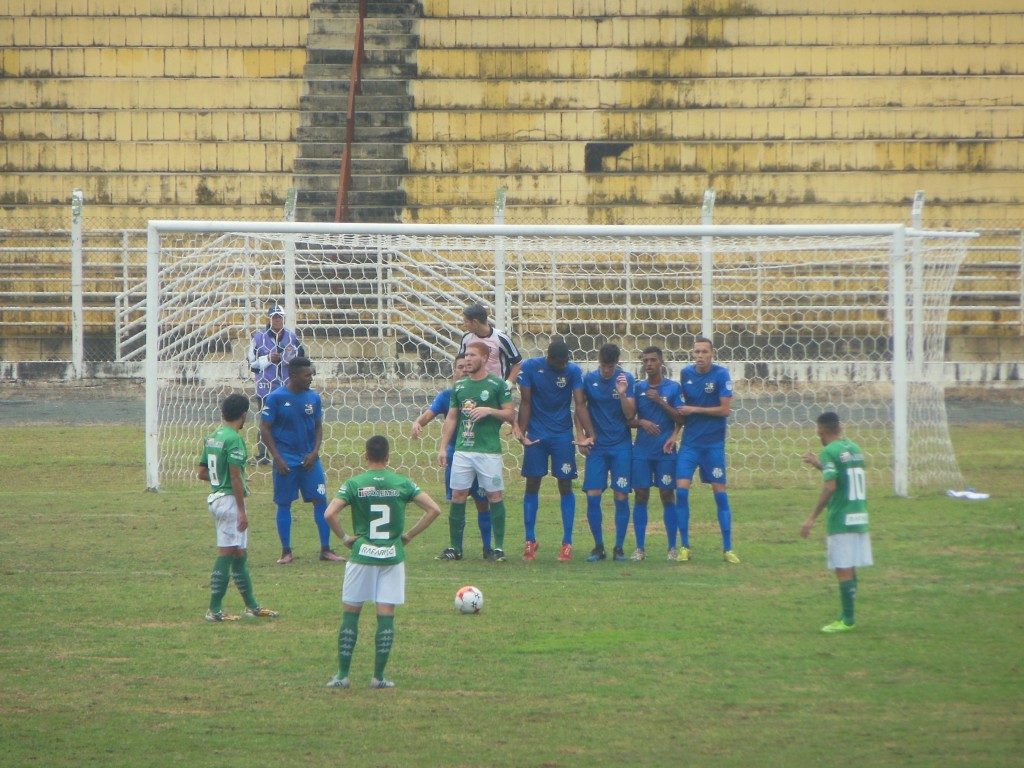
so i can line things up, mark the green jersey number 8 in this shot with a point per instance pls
(211, 466)
(856, 484)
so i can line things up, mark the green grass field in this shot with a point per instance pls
(106, 660)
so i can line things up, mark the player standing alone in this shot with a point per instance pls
(707, 399)
(292, 429)
(376, 571)
(845, 493)
(222, 464)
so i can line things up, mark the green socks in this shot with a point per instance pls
(457, 524)
(498, 523)
(847, 593)
(385, 639)
(243, 580)
(219, 580)
(347, 634)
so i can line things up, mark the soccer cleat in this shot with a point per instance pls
(684, 554)
(673, 555)
(837, 626)
(285, 558)
(596, 554)
(375, 683)
(339, 682)
(331, 556)
(730, 557)
(565, 553)
(618, 555)
(498, 555)
(638, 555)
(258, 612)
(530, 551)
(451, 553)
(488, 554)
(220, 616)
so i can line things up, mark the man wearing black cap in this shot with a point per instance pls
(271, 350)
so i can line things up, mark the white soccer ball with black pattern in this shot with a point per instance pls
(469, 600)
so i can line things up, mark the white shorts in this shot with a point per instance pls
(225, 519)
(485, 468)
(373, 584)
(849, 550)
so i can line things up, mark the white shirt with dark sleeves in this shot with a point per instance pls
(504, 352)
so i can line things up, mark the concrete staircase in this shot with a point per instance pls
(382, 125)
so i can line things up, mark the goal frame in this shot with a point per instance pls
(907, 361)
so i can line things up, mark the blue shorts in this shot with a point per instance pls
(312, 482)
(711, 461)
(474, 490)
(660, 472)
(562, 454)
(602, 462)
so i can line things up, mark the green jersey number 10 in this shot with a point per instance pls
(856, 484)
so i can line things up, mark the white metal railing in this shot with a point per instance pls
(38, 293)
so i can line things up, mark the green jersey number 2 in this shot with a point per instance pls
(856, 484)
(385, 517)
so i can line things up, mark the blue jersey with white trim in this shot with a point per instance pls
(605, 406)
(550, 397)
(650, 446)
(293, 417)
(704, 390)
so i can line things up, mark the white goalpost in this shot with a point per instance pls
(849, 318)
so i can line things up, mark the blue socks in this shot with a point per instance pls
(671, 524)
(683, 515)
(622, 522)
(284, 525)
(724, 519)
(483, 519)
(568, 506)
(639, 522)
(594, 518)
(319, 508)
(531, 502)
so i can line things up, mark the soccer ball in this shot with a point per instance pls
(469, 600)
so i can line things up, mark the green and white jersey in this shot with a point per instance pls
(378, 498)
(224, 447)
(484, 436)
(843, 461)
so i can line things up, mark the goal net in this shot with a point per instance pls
(807, 319)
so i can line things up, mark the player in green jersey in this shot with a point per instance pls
(480, 404)
(375, 571)
(222, 465)
(845, 493)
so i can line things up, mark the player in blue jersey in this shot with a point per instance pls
(654, 450)
(440, 407)
(707, 398)
(550, 387)
(609, 393)
(292, 429)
